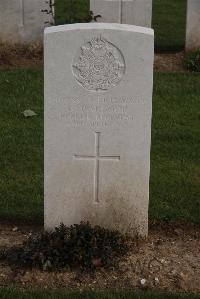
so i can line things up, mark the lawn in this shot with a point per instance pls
(168, 21)
(71, 11)
(11, 293)
(175, 155)
(21, 145)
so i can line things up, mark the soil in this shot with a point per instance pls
(168, 260)
(23, 63)
(21, 56)
(169, 62)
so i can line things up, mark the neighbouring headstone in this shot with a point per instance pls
(193, 25)
(23, 21)
(98, 102)
(134, 12)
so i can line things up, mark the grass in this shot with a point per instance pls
(168, 20)
(169, 23)
(12, 293)
(21, 145)
(175, 155)
(71, 11)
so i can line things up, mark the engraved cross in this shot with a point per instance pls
(97, 158)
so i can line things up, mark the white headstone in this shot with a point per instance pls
(134, 12)
(193, 25)
(98, 101)
(22, 21)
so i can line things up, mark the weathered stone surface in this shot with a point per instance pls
(134, 12)
(193, 25)
(22, 21)
(98, 101)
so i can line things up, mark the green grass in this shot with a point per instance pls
(175, 155)
(169, 23)
(21, 145)
(71, 11)
(175, 158)
(12, 293)
(169, 20)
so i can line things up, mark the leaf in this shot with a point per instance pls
(29, 113)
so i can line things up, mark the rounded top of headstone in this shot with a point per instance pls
(98, 65)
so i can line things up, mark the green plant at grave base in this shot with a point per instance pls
(192, 61)
(81, 246)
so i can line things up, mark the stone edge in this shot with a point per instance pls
(107, 26)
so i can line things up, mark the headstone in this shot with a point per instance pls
(134, 12)
(22, 21)
(193, 25)
(98, 102)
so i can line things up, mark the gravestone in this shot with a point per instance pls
(22, 21)
(193, 25)
(134, 12)
(98, 102)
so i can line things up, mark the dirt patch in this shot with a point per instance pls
(31, 55)
(169, 260)
(169, 62)
(18, 55)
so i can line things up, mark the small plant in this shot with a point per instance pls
(79, 246)
(192, 61)
(49, 11)
(89, 17)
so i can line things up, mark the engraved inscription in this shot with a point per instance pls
(98, 65)
(97, 113)
(97, 158)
